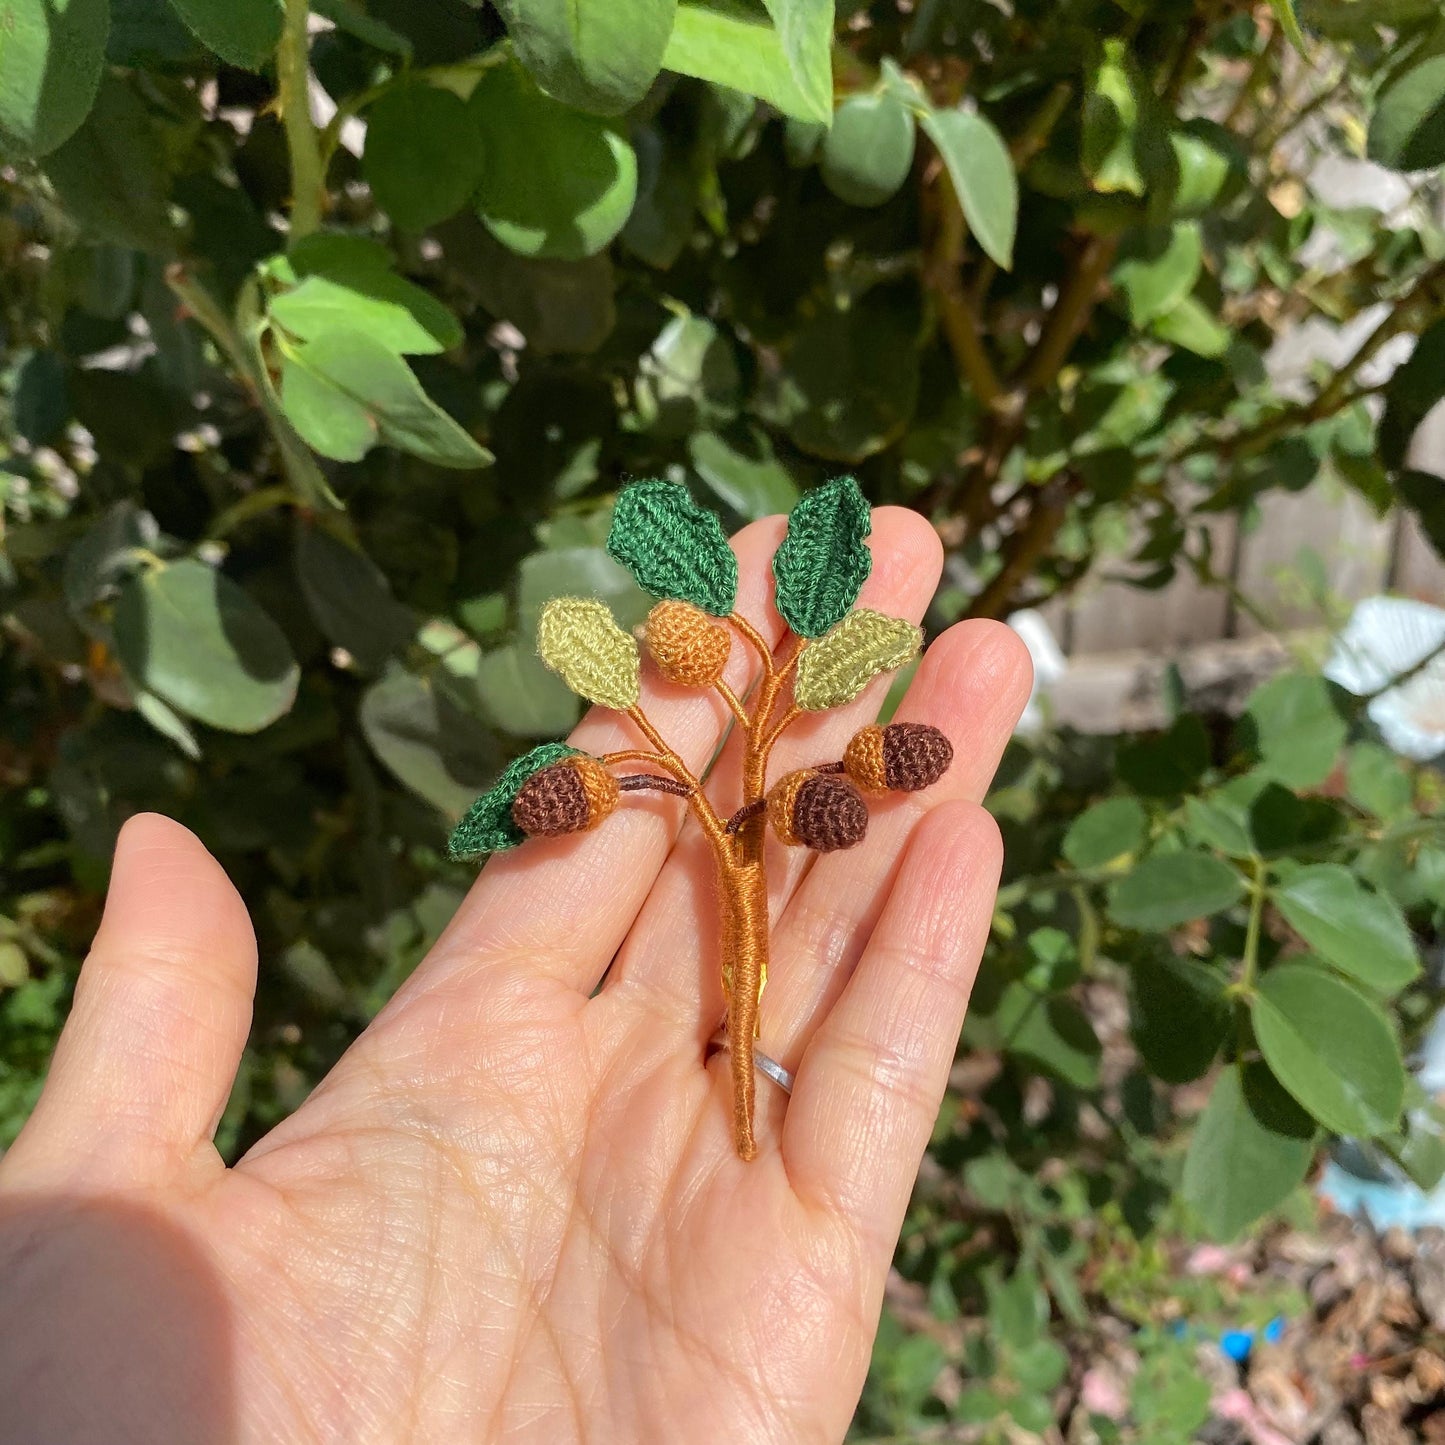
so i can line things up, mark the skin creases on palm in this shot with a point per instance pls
(514, 1211)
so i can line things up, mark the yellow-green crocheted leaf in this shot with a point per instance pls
(581, 642)
(840, 664)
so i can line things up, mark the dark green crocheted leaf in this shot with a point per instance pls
(822, 564)
(673, 547)
(488, 825)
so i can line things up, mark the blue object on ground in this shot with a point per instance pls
(1237, 1344)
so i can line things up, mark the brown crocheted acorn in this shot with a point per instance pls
(568, 797)
(686, 644)
(817, 810)
(902, 756)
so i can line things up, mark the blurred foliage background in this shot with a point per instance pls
(328, 332)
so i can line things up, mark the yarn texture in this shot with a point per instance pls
(677, 551)
(838, 666)
(488, 826)
(568, 797)
(688, 647)
(822, 564)
(579, 639)
(781, 799)
(863, 759)
(829, 814)
(816, 810)
(673, 547)
(915, 756)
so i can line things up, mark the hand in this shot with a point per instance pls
(513, 1210)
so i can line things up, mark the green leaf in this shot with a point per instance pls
(111, 174)
(1377, 781)
(51, 55)
(1018, 1309)
(194, 638)
(1250, 1150)
(733, 43)
(688, 378)
(487, 826)
(334, 424)
(590, 171)
(241, 32)
(1362, 933)
(1178, 1015)
(740, 468)
(673, 547)
(1289, 22)
(521, 696)
(1298, 732)
(1411, 395)
(982, 172)
(1160, 271)
(1169, 763)
(350, 599)
(851, 382)
(391, 311)
(836, 667)
(1106, 831)
(40, 402)
(822, 563)
(425, 741)
(423, 158)
(1189, 324)
(1052, 1031)
(344, 391)
(583, 572)
(598, 58)
(1216, 823)
(1168, 889)
(1407, 129)
(805, 28)
(1331, 1048)
(168, 723)
(579, 639)
(1111, 120)
(1205, 157)
(868, 151)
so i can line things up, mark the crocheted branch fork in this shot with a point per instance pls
(678, 553)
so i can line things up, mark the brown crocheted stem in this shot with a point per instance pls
(638, 782)
(747, 811)
(830, 768)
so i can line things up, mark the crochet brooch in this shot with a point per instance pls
(678, 553)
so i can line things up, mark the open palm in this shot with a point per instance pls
(514, 1210)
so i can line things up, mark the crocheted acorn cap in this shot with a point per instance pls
(678, 552)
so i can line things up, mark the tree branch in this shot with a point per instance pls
(941, 274)
(1027, 545)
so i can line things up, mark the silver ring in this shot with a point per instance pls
(762, 1063)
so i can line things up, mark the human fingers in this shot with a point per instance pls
(146, 1060)
(872, 1077)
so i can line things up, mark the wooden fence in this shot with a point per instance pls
(1359, 554)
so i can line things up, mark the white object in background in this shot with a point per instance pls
(1385, 638)
(1049, 661)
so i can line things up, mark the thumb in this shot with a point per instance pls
(162, 1009)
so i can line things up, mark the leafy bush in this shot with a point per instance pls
(304, 422)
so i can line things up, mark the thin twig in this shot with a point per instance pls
(646, 782)
(731, 698)
(758, 642)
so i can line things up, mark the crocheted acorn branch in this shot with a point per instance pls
(678, 553)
